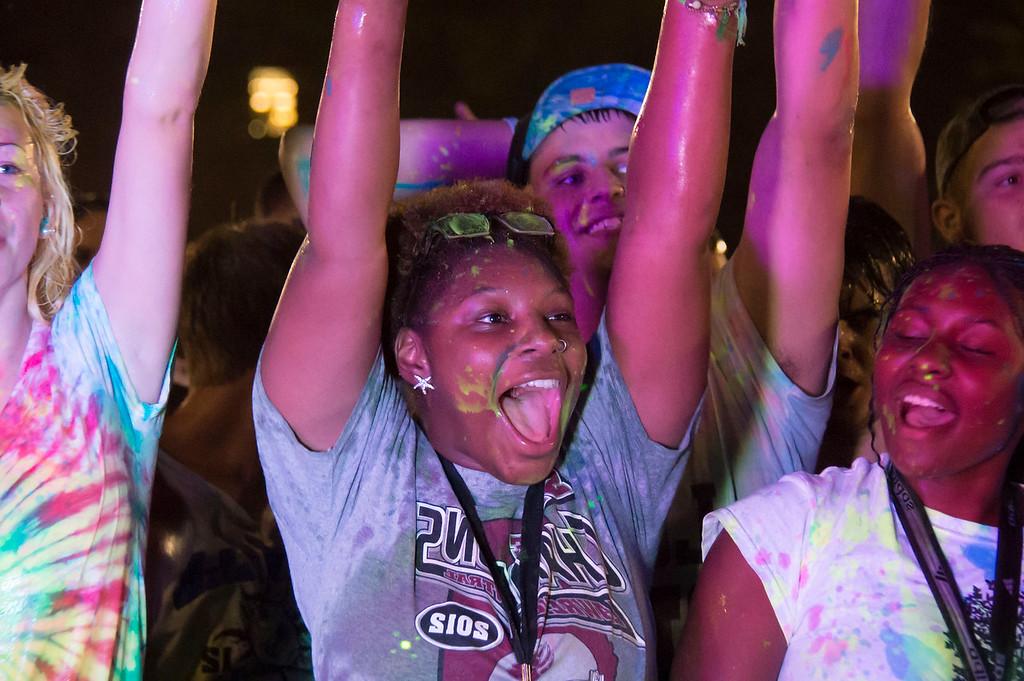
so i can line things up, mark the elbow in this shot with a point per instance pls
(826, 131)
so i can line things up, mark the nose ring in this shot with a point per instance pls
(563, 345)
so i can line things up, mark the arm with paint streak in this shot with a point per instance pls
(888, 151)
(658, 301)
(138, 267)
(434, 153)
(789, 263)
(326, 332)
(731, 631)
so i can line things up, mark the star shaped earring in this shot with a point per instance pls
(422, 384)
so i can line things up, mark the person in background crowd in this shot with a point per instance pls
(877, 252)
(84, 372)
(90, 218)
(219, 596)
(889, 569)
(274, 203)
(979, 171)
(481, 323)
(979, 156)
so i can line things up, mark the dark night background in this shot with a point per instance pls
(496, 56)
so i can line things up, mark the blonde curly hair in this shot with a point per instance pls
(52, 268)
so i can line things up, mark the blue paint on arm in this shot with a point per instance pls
(302, 166)
(418, 186)
(830, 48)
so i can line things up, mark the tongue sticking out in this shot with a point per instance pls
(530, 412)
(926, 417)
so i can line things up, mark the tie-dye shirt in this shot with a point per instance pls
(77, 448)
(848, 593)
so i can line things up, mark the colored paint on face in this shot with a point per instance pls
(942, 379)
(492, 337)
(579, 170)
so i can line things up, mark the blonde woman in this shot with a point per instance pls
(83, 368)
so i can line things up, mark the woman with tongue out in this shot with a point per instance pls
(905, 568)
(464, 535)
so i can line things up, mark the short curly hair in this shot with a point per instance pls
(52, 268)
(415, 280)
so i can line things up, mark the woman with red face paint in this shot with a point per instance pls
(467, 535)
(904, 568)
(84, 368)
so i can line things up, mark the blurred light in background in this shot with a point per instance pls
(272, 100)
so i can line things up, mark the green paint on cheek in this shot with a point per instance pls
(475, 271)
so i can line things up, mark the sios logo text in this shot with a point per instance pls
(453, 626)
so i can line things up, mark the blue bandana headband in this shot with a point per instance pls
(608, 86)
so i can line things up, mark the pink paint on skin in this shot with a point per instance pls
(763, 557)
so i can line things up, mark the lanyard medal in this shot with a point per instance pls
(522, 623)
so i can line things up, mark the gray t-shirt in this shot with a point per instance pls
(391, 582)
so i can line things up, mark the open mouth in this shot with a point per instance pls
(534, 409)
(918, 411)
(605, 226)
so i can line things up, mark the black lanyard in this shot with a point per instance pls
(523, 625)
(956, 613)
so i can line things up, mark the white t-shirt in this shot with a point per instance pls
(848, 593)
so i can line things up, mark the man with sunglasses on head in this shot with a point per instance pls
(979, 171)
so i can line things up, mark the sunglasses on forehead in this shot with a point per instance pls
(471, 225)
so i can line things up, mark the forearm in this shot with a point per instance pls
(816, 67)
(170, 59)
(892, 38)
(889, 153)
(789, 263)
(434, 153)
(316, 358)
(437, 152)
(355, 144)
(658, 295)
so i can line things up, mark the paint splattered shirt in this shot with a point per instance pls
(77, 447)
(756, 426)
(388, 575)
(848, 593)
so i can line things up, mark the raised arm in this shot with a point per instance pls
(434, 152)
(888, 151)
(138, 266)
(326, 332)
(789, 263)
(658, 300)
